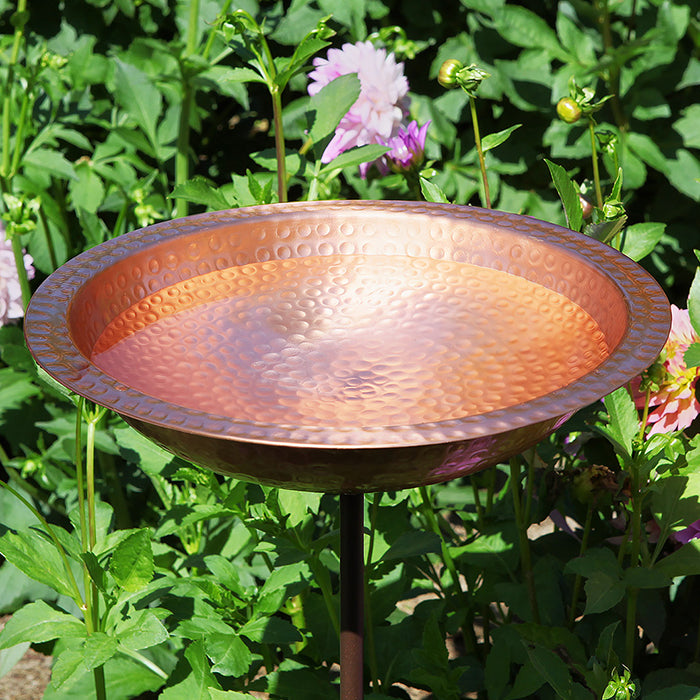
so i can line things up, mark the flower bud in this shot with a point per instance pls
(568, 110)
(447, 77)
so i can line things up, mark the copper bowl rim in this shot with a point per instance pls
(47, 322)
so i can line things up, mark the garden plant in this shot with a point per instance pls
(569, 572)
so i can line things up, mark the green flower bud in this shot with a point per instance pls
(447, 77)
(568, 110)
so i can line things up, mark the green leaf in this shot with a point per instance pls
(296, 504)
(98, 649)
(522, 27)
(641, 239)
(492, 140)
(568, 194)
(413, 544)
(676, 692)
(197, 684)
(68, 667)
(140, 630)
(356, 156)
(432, 192)
(675, 501)
(38, 558)
(694, 302)
(39, 622)
(199, 190)
(87, 190)
(10, 657)
(50, 161)
(624, 421)
(692, 355)
(331, 103)
(270, 630)
(230, 695)
(643, 577)
(132, 561)
(138, 95)
(229, 654)
(15, 389)
(553, 669)
(602, 592)
(683, 562)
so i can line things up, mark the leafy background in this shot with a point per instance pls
(216, 588)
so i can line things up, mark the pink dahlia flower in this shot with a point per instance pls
(10, 292)
(675, 403)
(376, 115)
(407, 149)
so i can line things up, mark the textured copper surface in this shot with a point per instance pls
(347, 346)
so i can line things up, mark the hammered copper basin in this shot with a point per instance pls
(347, 346)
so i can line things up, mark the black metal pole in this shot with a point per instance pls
(352, 590)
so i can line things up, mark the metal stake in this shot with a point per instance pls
(352, 586)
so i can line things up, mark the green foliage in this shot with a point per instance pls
(179, 582)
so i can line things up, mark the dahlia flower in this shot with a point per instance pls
(675, 403)
(10, 292)
(407, 149)
(378, 112)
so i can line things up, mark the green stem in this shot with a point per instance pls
(594, 157)
(47, 235)
(613, 80)
(490, 489)
(279, 143)
(212, 34)
(182, 160)
(19, 134)
(579, 579)
(182, 156)
(480, 152)
(21, 270)
(522, 525)
(477, 501)
(636, 526)
(323, 580)
(144, 661)
(429, 513)
(7, 92)
(645, 415)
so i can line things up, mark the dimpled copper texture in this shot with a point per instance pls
(347, 346)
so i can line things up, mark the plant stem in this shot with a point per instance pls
(279, 143)
(645, 415)
(594, 157)
(582, 550)
(182, 162)
(522, 525)
(21, 270)
(145, 662)
(429, 513)
(477, 501)
(636, 527)
(480, 152)
(7, 92)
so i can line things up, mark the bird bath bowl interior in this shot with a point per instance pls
(347, 346)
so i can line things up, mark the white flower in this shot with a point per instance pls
(378, 112)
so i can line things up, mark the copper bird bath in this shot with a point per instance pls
(348, 347)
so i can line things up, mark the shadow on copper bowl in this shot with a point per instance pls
(347, 346)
